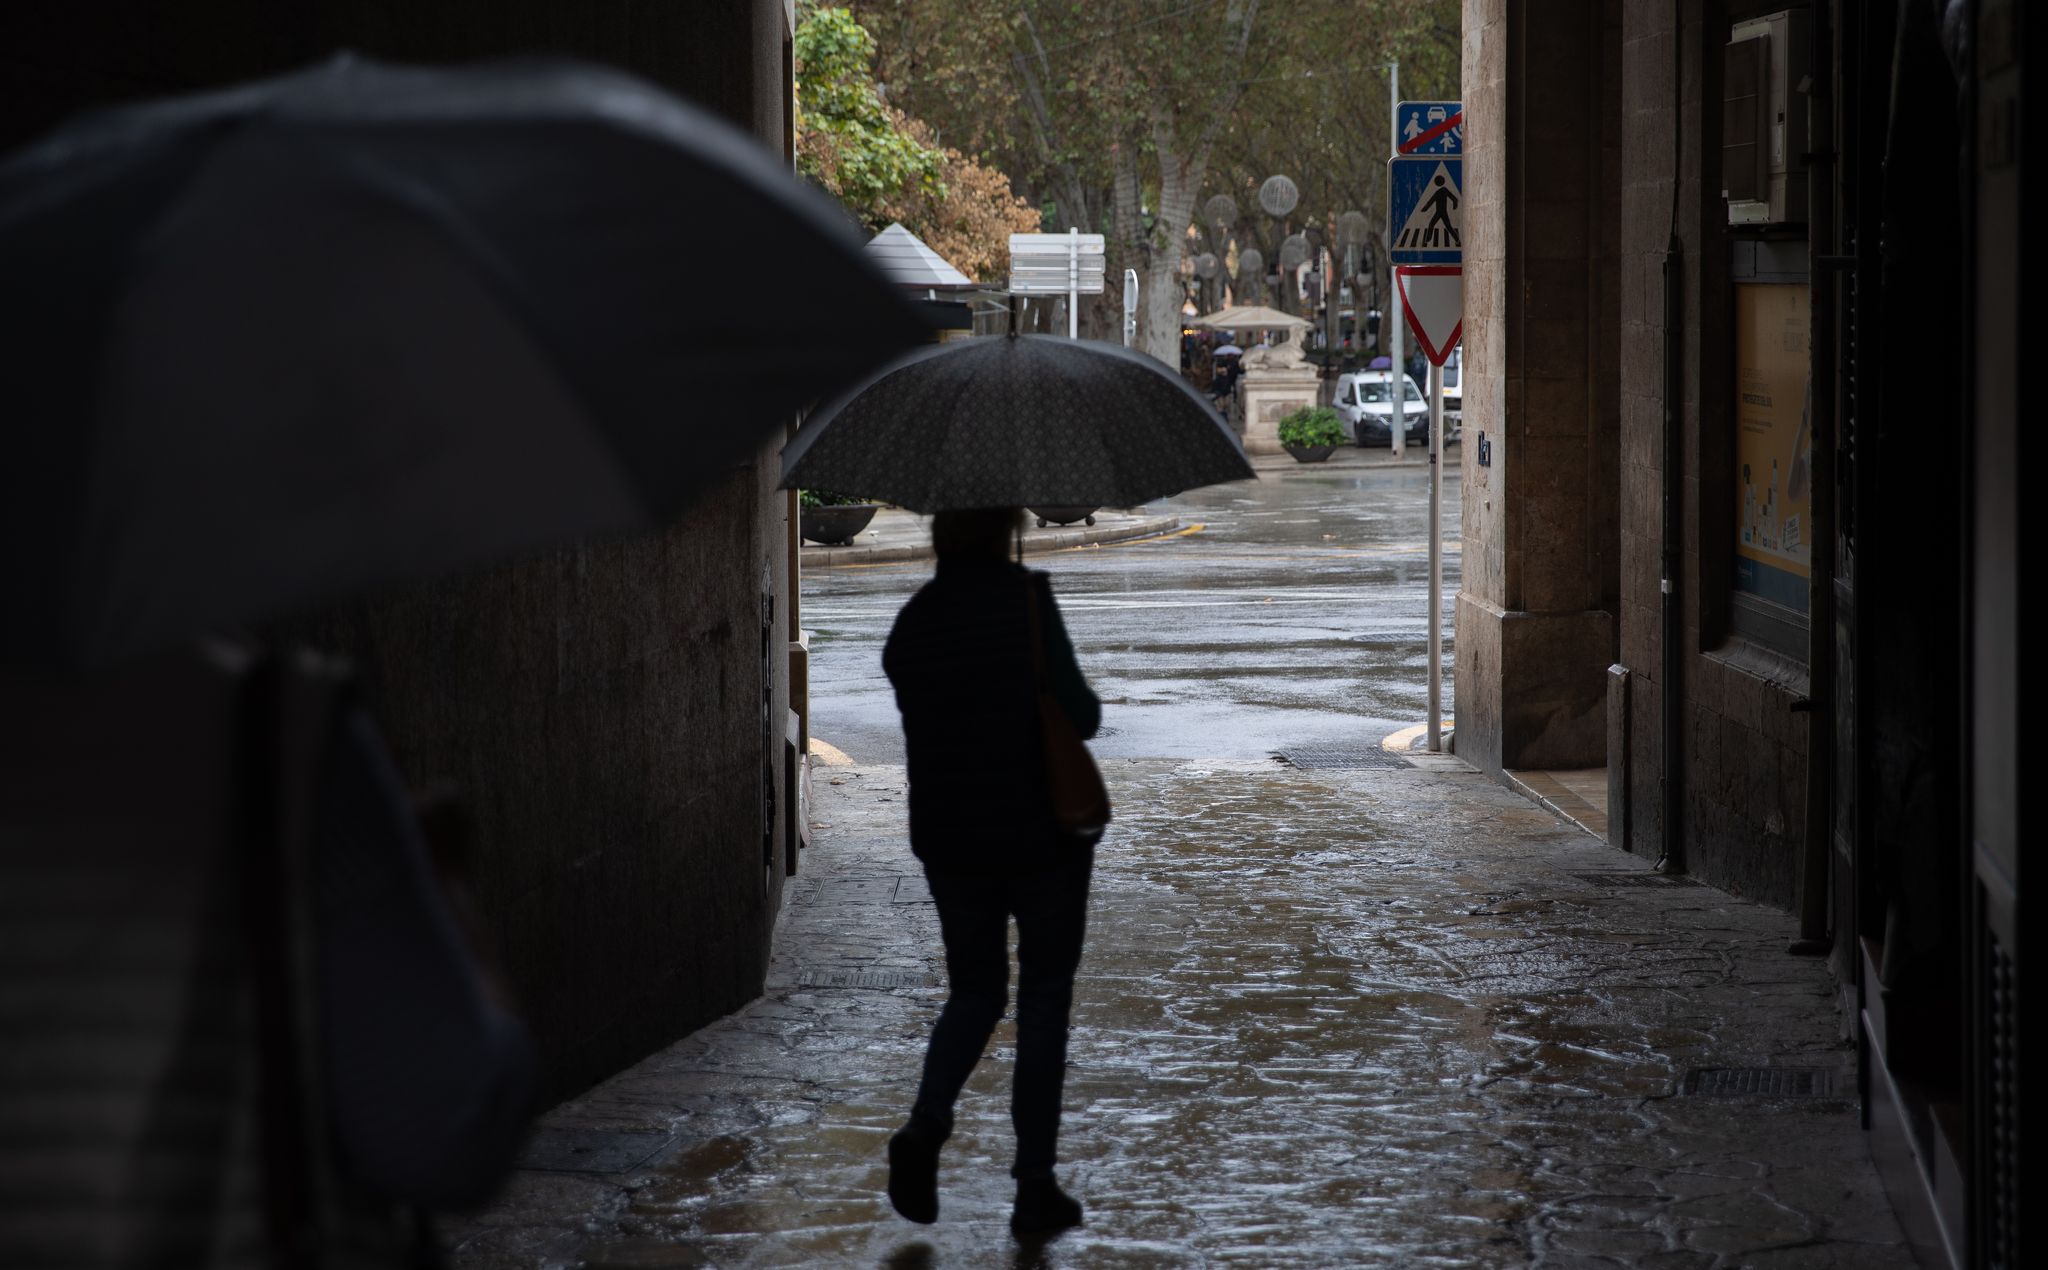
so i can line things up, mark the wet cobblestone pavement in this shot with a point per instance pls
(1346, 1018)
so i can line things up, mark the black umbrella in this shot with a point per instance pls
(366, 324)
(1017, 421)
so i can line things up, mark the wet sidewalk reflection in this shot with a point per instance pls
(1325, 1019)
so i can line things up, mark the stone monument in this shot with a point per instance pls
(1277, 382)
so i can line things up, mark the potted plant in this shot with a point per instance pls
(833, 519)
(1311, 433)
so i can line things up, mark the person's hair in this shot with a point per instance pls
(978, 531)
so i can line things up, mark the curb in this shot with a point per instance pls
(1570, 815)
(1039, 543)
(1287, 463)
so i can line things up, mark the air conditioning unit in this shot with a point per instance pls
(1764, 88)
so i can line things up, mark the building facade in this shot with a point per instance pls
(617, 716)
(1743, 332)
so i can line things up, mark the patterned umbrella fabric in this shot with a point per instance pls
(366, 325)
(1017, 421)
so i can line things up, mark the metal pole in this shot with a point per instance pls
(1073, 282)
(1436, 559)
(1397, 422)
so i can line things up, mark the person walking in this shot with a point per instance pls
(981, 821)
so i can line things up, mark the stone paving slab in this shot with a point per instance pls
(1344, 1018)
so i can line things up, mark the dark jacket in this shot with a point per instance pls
(960, 660)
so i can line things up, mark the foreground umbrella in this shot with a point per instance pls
(366, 325)
(1017, 421)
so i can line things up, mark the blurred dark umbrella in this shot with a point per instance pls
(1017, 421)
(365, 325)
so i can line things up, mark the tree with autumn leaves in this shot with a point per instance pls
(884, 166)
(1125, 116)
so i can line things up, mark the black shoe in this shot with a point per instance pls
(1043, 1207)
(914, 1174)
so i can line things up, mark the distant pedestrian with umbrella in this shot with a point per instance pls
(1006, 826)
(982, 821)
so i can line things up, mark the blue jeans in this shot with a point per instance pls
(1051, 909)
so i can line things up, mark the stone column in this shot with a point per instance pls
(1535, 625)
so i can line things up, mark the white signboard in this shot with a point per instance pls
(1056, 264)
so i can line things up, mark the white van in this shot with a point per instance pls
(1365, 402)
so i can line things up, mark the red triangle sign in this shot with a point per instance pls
(1433, 301)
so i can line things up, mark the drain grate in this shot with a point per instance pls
(1759, 1082)
(1616, 878)
(877, 980)
(1340, 756)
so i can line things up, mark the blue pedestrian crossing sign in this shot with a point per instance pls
(1427, 226)
(1429, 127)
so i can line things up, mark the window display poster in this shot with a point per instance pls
(1773, 476)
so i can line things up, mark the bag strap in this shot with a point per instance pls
(1038, 671)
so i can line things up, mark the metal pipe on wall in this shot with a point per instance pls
(1671, 858)
(1816, 936)
(1670, 652)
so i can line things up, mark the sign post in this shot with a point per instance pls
(1130, 306)
(1425, 239)
(1397, 379)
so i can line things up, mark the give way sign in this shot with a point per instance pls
(1433, 301)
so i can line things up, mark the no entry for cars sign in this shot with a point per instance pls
(1429, 127)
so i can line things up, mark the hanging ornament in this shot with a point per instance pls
(1278, 196)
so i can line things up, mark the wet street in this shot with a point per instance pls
(1390, 1016)
(1293, 614)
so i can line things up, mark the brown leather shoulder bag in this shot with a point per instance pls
(1080, 803)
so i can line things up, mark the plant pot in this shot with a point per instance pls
(836, 526)
(1063, 515)
(1309, 453)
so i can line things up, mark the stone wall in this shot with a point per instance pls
(1743, 750)
(1534, 620)
(1568, 214)
(602, 707)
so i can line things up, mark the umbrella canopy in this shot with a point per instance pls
(1017, 421)
(1380, 363)
(1251, 317)
(365, 325)
(903, 256)
(1228, 350)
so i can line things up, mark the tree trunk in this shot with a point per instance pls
(1180, 177)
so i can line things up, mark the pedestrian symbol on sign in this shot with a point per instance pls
(1435, 222)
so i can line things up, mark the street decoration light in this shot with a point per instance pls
(1251, 270)
(1220, 212)
(1278, 195)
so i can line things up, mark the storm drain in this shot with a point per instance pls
(1612, 878)
(1340, 756)
(1759, 1082)
(874, 980)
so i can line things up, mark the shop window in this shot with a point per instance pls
(1773, 473)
